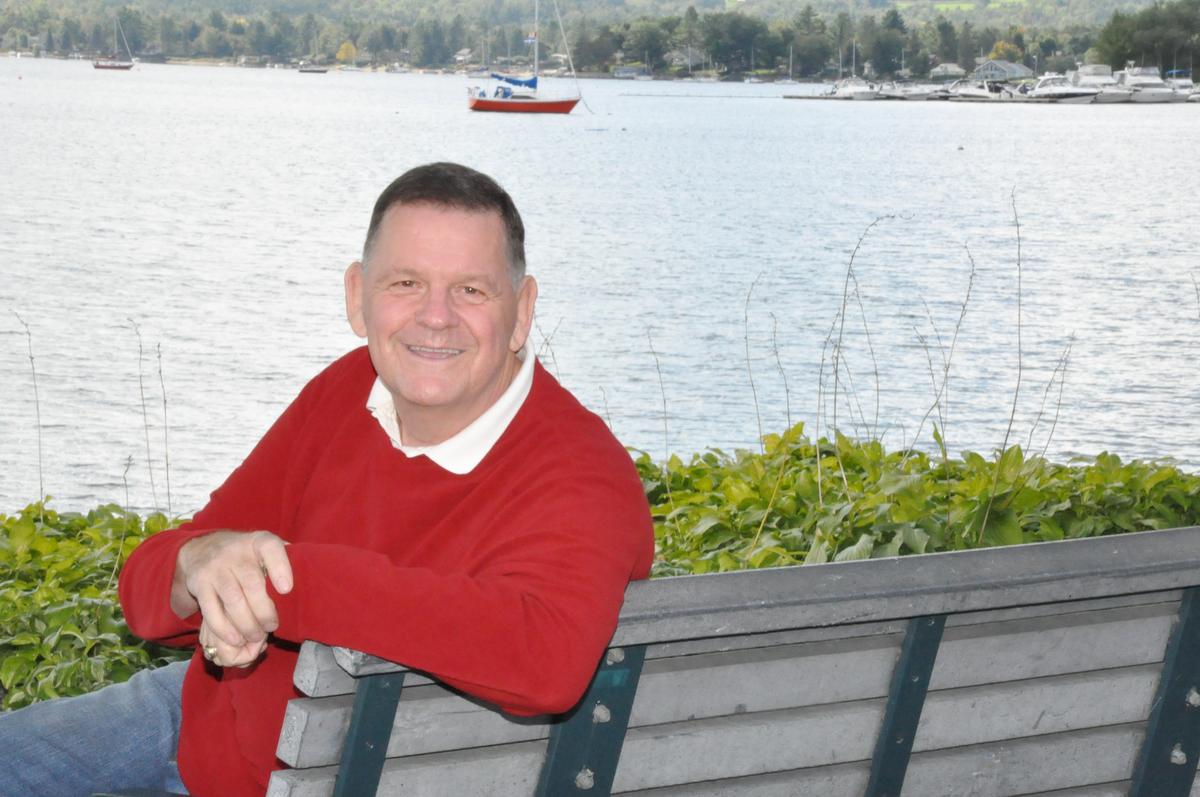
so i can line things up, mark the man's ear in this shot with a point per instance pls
(354, 278)
(526, 299)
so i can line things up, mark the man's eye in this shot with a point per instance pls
(472, 294)
(403, 284)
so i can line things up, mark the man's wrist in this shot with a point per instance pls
(183, 603)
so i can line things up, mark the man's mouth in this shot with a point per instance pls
(435, 352)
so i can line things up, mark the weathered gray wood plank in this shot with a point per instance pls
(1118, 789)
(691, 607)
(1000, 769)
(1081, 757)
(430, 718)
(318, 673)
(798, 738)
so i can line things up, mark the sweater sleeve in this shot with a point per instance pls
(253, 498)
(524, 630)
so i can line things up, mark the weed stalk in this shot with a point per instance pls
(37, 409)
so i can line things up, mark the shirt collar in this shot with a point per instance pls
(462, 452)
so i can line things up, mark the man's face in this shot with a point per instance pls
(442, 319)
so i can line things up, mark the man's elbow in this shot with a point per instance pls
(554, 691)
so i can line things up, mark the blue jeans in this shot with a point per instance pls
(123, 736)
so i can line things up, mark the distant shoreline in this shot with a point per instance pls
(222, 62)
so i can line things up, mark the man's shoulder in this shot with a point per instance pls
(558, 420)
(348, 379)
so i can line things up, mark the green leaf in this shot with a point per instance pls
(818, 554)
(859, 550)
(20, 535)
(14, 667)
(915, 539)
(1003, 529)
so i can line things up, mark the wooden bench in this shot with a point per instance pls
(1069, 669)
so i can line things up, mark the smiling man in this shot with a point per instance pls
(445, 308)
(435, 498)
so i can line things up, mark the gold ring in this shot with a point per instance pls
(210, 652)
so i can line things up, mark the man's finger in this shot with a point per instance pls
(272, 553)
(254, 588)
(219, 625)
(248, 655)
(231, 589)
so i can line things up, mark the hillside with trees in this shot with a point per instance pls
(820, 41)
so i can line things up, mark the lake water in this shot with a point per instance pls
(216, 208)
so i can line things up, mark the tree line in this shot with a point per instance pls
(810, 43)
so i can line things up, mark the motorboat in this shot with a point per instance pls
(1147, 85)
(853, 88)
(1100, 76)
(1054, 87)
(1181, 81)
(904, 90)
(967, 90)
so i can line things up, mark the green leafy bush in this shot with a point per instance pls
(800, 502)
(62, 632)
(61, 628)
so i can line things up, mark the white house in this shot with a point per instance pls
(947, 71)
(1001, 70)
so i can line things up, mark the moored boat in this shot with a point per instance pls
(853, 88)
(506, 100)
(116, 62)
(1181, 81)
(1147, 86)
(1100, 76)
(966, 90)
(520, 94)
(906, 90)
(1054, 87)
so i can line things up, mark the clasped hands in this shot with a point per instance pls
(224, 574)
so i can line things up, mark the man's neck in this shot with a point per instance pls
(422, 427)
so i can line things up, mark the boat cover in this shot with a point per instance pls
(529, 82)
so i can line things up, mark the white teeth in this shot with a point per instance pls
(433, 350)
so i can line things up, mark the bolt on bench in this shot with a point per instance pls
(1068, 668)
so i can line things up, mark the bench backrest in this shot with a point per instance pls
(1007, 671)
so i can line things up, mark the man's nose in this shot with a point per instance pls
(436, 309)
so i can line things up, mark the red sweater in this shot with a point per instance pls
(504, 582)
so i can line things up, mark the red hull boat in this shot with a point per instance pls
(520, 94)
(522, 104)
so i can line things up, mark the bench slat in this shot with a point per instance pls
(807, 737)
(996, 769)
(690, 607)
(431, 718)
(1090, 754)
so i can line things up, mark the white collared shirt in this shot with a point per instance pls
(462, 452)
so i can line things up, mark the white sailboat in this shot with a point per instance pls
(520, 94)
(791, 78)
(116, 62)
